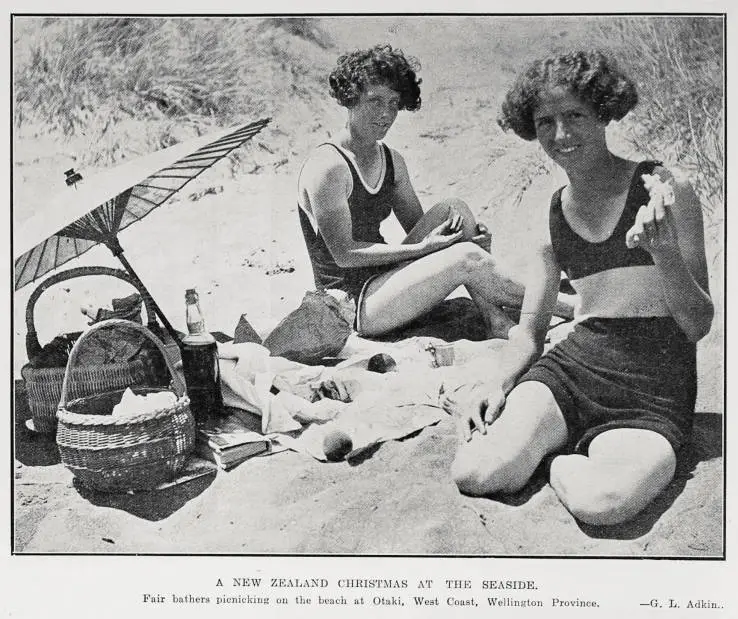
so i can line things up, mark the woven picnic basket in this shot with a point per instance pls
(127, 452)
(43, 385)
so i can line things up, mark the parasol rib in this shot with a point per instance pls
(182, 167)
(145, 199)
(22, 264)
(103, 229)
(39, 263)
(155, 187)
(217, 148)
(225, 143)
(121, 201)
(56, 251)
(191, 159)
(235, 135)
(105, 219)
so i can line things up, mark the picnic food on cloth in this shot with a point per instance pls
(108, 361)
(121, 453)
(337, 445)
(381, 363)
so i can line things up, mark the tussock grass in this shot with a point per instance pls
(174, 77)
(132, 85)
(678, 64)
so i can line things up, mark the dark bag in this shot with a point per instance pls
(318, 328)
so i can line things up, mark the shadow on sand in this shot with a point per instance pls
(33, 449)
(154, 505)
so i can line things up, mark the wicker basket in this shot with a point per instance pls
(120, 454)
(43, 385)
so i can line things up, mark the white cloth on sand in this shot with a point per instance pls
(369, 407)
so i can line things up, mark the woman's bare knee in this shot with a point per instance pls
(504, 459)
(606, 493)
(461, 208)
(490, 474)
(588, 498)
(471, 260)
(603, 506)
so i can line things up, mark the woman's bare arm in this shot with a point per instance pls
(479, 404)
(407, 207)
(674, 236)
(326, 180)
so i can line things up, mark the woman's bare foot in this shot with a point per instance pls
(498, 324)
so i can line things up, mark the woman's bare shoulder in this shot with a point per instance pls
(324, 164)
(398, 161)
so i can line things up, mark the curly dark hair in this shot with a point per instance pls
(589, 75)
(379, 65)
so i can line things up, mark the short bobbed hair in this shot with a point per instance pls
(590, 76)
(381, 64)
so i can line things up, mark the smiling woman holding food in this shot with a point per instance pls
(351, 184)
(614, 401)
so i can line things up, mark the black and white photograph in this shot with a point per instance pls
(364, 288)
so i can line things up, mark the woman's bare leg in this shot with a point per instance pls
(498, 323)
(411, 289)
(501, 461)
(625, 470)
(398, 296)
(506, 292)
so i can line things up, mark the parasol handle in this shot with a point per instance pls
(118, 252)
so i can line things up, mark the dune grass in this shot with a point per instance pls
(179, 77)
(173, 77)
(678, 64)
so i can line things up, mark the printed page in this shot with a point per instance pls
(187, 150)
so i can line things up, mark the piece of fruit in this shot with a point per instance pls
(381, 363)
(337, 445)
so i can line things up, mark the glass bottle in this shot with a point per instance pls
(200, 363)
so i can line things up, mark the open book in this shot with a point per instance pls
(230, 439)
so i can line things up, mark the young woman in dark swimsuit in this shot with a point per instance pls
(349, 185)
(614, 401)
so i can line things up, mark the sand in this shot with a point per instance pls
(238, 242)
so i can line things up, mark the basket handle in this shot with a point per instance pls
(32, 344)
(179, 386)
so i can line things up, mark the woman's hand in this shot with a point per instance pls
(473, 406)
(483, 238)
(654, 229)
(448, 233)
